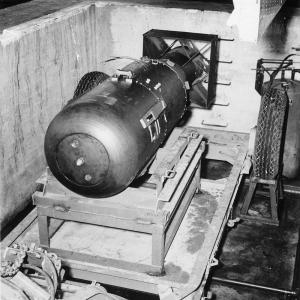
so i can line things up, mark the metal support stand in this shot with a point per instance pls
(159, 213)
(276, 193)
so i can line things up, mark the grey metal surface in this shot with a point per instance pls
(100, 142)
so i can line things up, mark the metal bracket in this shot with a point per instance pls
(193, 135)
(208, 296)
(213, 262)
(225, 61)
(227, 39)
(223, 82)
(155, 131)
(94, 289)
(122, 75)
(169, 174)
(247, 165)
(166, 292)
(46, 180)
(222, 101)
(153, 113)
(152, 116)
(218, 122)
(231, 223)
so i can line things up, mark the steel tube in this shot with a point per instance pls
(253, 285)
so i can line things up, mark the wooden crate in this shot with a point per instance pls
(155, 207)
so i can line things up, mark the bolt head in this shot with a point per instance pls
(75, 144)
(88, 177)
(79, 161)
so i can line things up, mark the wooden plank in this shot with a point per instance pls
(60, 202)
(105, 261)
(227, 139)
(171, 206)
(158, 245)
(44, 236)
(19, 229)
(172, 183)
(172, 157)
(218, 152)
(127, 280)
(217, 226)
(99, 219)
(24, 226)
(179, 215)
(141, 197)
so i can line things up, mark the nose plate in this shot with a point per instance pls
(82, 159)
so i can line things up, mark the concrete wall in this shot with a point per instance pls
(41, 62)
(241, 113)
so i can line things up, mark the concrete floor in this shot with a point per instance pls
(260, 254)
(254, 253)
(251, 252)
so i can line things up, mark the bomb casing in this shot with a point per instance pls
(100, 142)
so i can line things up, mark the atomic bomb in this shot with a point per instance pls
(103, 139)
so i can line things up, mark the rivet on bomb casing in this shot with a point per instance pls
(88, 177)
(75, 144)
(79, 161)
(157, 86)
(170, 63)
(187, 85)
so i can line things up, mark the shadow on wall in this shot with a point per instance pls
(277, 34)
(7, 3)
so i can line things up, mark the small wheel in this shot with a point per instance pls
(88, 82)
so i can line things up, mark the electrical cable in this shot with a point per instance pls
(274, 74)
(47, 278)
(12, 285)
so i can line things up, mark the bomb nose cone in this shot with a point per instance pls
(82, 159)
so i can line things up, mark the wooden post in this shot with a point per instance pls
(249, 196)
(275, 192)
(43, 222)
(158, 246)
